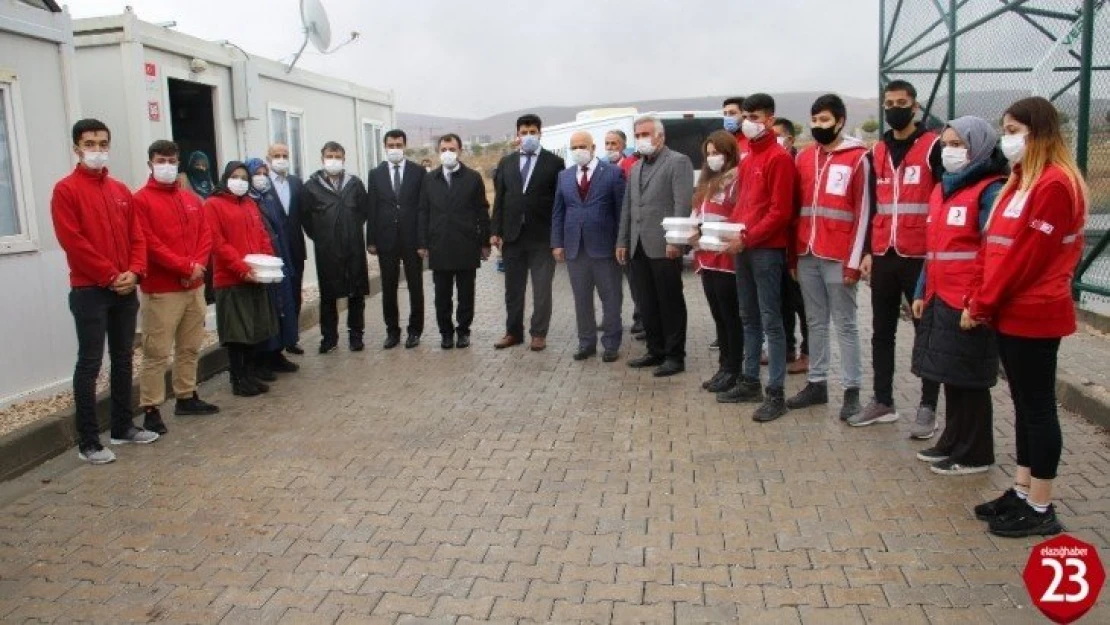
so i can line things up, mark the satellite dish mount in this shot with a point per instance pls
(317, 30)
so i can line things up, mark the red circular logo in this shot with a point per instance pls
(1064, 577)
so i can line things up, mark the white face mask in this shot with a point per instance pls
(165, 173)
(953, 159)
(237, 186)
(395, 155)
(581, 157)
(1013, 147)
(752, 130)
(449, 159)
(333, 166)
(260, 183)
(781, 140)
(280, 165)
(715, 161)
(614, 156)
(645, 146)
(95, 160)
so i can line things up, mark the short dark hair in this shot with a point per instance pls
(619, 133)
(333, 146)
(450, 137)
(529, 119)
(396, 133)
(830, 102)
(786, 125)
(161, 147)
(901, 85)
(738, 100)
(758, 102)
(89, 125)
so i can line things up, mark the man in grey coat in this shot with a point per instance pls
(661, 184)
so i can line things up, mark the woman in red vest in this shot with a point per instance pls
(715, 195)
(1033, 242)
(964, 361)
(244, 314)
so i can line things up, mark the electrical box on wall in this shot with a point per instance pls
(245, 91)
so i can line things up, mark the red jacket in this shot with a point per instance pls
(721, 204)
(97, 226)
(765, 202)
(1031, 248)
(902, 197)
(953, 242)
(237, 230)
(836, 203)
(177, 236)
(626, 164)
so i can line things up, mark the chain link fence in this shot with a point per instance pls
(976, 57)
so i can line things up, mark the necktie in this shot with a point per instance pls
(396, 179)
(524, 171)
(584, 183)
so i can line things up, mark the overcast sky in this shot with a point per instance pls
(481, 57)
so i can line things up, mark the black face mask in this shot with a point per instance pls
(899, 118)
(824, 136)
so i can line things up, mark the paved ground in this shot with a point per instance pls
(420, 485)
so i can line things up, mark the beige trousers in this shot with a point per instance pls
(171, 320)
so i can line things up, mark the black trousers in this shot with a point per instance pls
(329, 316)
(793, 311)
(893, 279)
(632, 293)
(446, 282)
(390, 265)
(724, 305)
(968, 436)
(99, 313)
(1031, 372)
(662, 304)
(298, 288)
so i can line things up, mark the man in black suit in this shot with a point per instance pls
(521, 227)
(453, 234)
(394, 201)
(288, 188)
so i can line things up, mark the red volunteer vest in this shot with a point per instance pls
(829, 212)
(953, 242)
(721, 204)
(902, 195)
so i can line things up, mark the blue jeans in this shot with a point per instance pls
(759, 283)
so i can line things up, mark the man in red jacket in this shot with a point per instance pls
(97, 226)
(178, 246)
(765, 206)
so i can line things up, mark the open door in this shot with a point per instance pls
(193, 121)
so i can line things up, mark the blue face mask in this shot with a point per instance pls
(731, 124)
(530, 144)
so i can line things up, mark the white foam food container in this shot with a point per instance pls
(680, 237)
(263, 261)
(712, 244)
(723, 230)
(680, 223)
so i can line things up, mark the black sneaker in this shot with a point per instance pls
(851, 406)
(280, 364)
(296, 350)
(997, 508)
(726, 382)
(263, 372)
(932, 455)
(152, 420)
(814, 394)
(1025, 521)
(713, 380)
(356, 342)
(745, 391)
(715, 345)
(194, 406)
(328, 346)
(773, 407)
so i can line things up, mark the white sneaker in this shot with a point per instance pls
(135, 435)
(96, 455)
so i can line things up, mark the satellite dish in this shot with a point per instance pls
(317, 30)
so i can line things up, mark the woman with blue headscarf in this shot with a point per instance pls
(964, 361)
(269, 354)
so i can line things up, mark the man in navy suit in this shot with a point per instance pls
(584, 225)
(288, 187)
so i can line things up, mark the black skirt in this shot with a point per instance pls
(944, 353)
(244, 314)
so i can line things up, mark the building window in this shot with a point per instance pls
(17, 228)
(287, 126)
(374, 150)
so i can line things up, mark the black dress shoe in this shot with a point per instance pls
(328, 345)
(448, 341)
(726, 382)
(647, 360)
(357, 345)
(463, 341)
(412, 341)
(391, 341)
(280, 364)
(295, 350)
(585, 352)
(669, 368)
(610, 356)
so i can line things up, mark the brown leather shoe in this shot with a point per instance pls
(507, 341)
(538, 344)
(800, 365)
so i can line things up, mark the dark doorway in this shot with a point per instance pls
(193, 121)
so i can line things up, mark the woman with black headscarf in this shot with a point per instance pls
(244, 314)
(198, 173)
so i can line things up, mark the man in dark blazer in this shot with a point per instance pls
(524, 196)
(288, 188)
(584, 226)
(453, 234)
(661, 184)
(393, 190)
